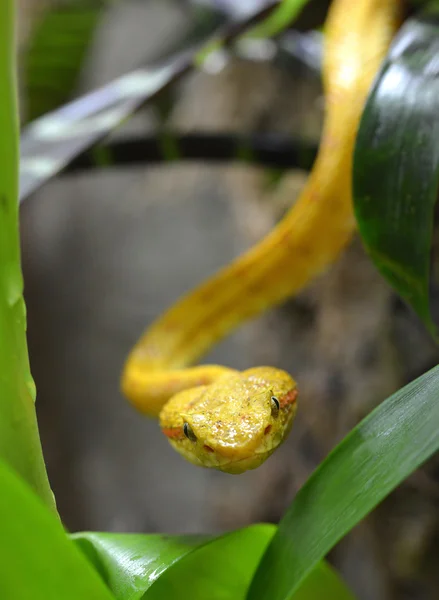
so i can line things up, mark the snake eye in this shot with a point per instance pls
(187, 430)
(274, 406)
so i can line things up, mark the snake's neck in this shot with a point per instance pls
(314, 231)
(298, 249)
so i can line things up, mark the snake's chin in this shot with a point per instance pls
(234, 466)
(237, 467)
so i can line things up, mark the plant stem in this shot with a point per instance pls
(20, 444)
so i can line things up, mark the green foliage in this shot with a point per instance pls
(388, 445)
(224, 569)
(131, 563)
(19, 440)
(54, 59)
(396, 164)
(37, 559)
(158, 567)
(280, 19)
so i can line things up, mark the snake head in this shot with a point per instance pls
(235, 423)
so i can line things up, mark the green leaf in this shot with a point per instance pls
(323, 583)
(223, 569)
(131, 563)
(54, 58)
(279, 19)
(158, 567)
(396, 164)
(19, 440)
(388, 445)
(37, 559)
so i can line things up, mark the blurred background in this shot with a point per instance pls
(106, 251)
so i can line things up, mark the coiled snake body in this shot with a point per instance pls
(229, 420)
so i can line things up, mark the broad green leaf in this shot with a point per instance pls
(37, 559)
(377, 455)
(130, 563)
(157, 567)
(223, 569)
(19, 440)
(396, 164)
(54, 58)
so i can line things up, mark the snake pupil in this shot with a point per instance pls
(274, 406)
(187, 430)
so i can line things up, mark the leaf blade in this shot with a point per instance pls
(396, 164)
(130, 563)
(223, 568)
(19, 439)
(279, 19)
(54, 57)
(156, 567)
(377, 455)
(37, 559)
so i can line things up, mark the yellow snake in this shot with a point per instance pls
(213, 415)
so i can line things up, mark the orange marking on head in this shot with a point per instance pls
(173, 432)
(289, 398)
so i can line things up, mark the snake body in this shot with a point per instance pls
(229, 420)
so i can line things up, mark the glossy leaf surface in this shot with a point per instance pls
(396, 164)
(376, 456)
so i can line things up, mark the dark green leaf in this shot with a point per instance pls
(54, 58)
(396, 163)
(393, 441)
(37, 559)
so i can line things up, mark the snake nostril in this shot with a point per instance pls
(267, 430)
(208, 448)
